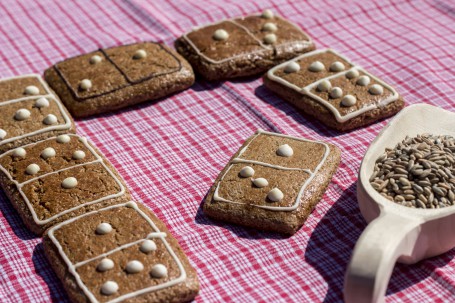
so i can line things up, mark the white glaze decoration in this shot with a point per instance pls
(131, 204)
(103, 228)
(78, 155)
(220, 35)
(247, 172)
(270, 39)
(348, 100)
(47, 153)
(336, 93)
(69, 183)
(85, 84)
(260, 182)
(336, 66)
(42, 102)
(95, 59)
(363, 80)
(2, 134)
(267, 14)
(32, 169)
(316, 66)
(140, 54)
(105, 265)
(353, 73)
(376, 89)
(269, 27)
(19, 153)
(324, 86)
(22, 114)
(109, 288)
(134, 267)
(63, 139)
(31, 90)
(275, 195)
(158, 271)
(147, 246)
(50, 119)
(292, 67)
(285, 150)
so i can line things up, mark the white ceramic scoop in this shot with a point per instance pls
(396, 232)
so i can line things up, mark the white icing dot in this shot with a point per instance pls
(50, 119)
(78, 155)
(220, 35)
(285, 151)
(63, 139)
(42, 102)
(134, 267)
(363, 81)
(246, 172)
(105, 265)
(267, 14)
(348, 100)
(324, 86)
(95, 59)
(270, 39)
(353, 73)
(47, 153)
(69, 183)
(32, 169)
(275, 195)
(109, 288)
(147, 246)
(336, 92)
(85, 84)
(158, 271)
(336, 66)
(19, 153)
(269, 27)
(131, 204)
(376, 89)
(31, 90)
(2, 134)
(22, 114)
(316, 66)
(103, 228)
(292, 67)
(140, 54)
(260, 182)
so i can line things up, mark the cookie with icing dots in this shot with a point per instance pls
(326, 85)
(121, 253)
(242, 46)
(273, 182)
(116, 77)
(58, 178)
(29, 112)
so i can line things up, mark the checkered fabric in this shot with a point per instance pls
(170, 151)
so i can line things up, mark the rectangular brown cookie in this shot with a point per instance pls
(58, 178)
(273, 182)
(242, 46)
(29, 112)
(117, 77)
(121, 253)
(329, 87)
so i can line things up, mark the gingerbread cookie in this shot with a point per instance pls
(121, 253)
(329, 87)
(273, 182)
(117, 77)
(242, 46)
(29, 112)
(58, 178)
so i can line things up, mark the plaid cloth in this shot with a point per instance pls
(170, 151)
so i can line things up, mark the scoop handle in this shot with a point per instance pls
(385, 239)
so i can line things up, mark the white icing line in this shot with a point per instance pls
(27, 201)
(306, 90)
(265, 47)
(216, 196)
(49, 94)
(88, 293)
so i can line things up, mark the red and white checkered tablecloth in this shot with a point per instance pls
(170, 151)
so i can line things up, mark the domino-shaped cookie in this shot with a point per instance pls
(273, 182)
(242, 46)
(29, 112)
(329, 87)
(58, 178)
(121, 253)
(116, 77)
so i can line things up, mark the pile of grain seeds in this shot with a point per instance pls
(418, 172)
